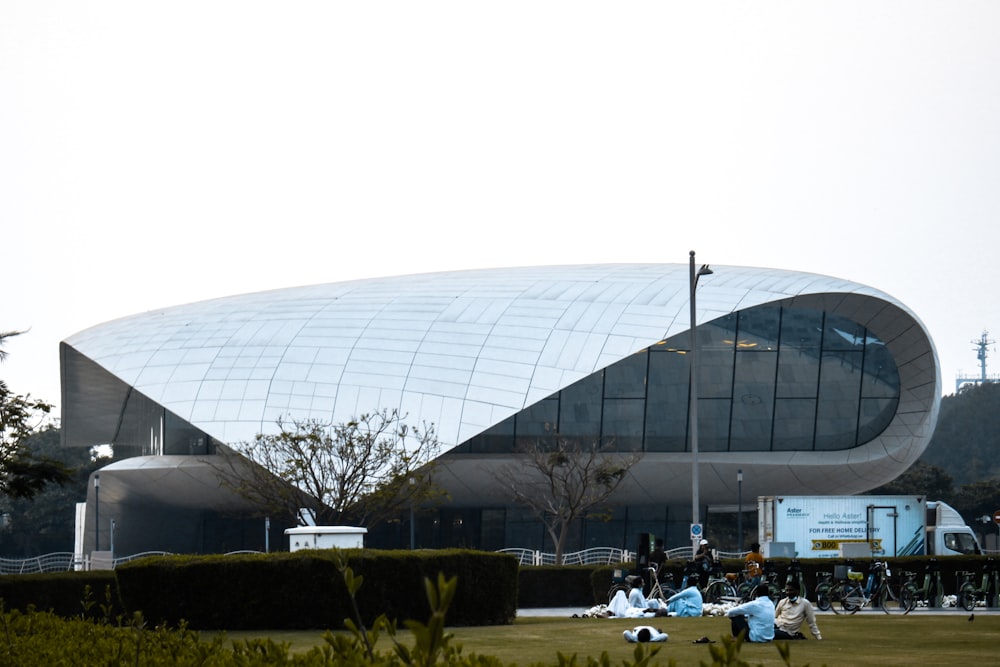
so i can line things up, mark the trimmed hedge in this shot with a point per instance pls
(304, 589)
(61, 593)
(555, 586)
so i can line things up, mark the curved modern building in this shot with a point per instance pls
(807, 384)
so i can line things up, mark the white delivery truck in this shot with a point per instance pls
(883, 526)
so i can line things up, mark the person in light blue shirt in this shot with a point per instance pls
(687, 602)
(754, 619)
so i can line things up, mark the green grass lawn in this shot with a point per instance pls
(862, 639)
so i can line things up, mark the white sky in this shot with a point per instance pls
(153, 154)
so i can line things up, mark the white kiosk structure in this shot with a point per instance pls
(326, 537)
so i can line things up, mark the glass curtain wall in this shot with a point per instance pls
(770, 378)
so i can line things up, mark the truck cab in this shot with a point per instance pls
(947, 534)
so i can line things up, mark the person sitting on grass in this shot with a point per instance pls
(790, 612)
(754, 619)
(687, 602)
(644, 633)
(635, 605)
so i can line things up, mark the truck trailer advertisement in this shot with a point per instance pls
(893, 525)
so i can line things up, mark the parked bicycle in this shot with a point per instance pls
(795, 576)
(691, 576)
(660, 588)
(932, 591)
(970, 595)
(719, 587)
(775, 588)
(620, 582)
(858, 592)
(747, 582)
(823, 585)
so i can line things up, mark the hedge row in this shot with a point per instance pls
(62, 593)
(304, 590)
(301, 590)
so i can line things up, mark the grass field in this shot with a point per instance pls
(862, 639)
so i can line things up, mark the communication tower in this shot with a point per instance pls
(981, 347)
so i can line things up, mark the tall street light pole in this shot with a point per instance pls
(739, 510)
(97, 512)
(696, 534)
(413, 528)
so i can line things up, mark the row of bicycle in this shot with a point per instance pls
(844, 590)
(716, 585)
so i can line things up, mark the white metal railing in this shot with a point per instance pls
(679, 552)
(593, 556)
(602, 556)
(54, 562)
(66, 561)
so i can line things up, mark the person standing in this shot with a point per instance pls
(703, 557)
(657, 556)
(791, 611)
(755, 564)
(754, 619)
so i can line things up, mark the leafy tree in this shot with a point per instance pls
(977, 499)
(22, 474)
(560, 480)
(920, 479)
(45, 523)
(360, 472)
(965, 440)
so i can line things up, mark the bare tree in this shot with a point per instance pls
(360, 472)
(560, 480)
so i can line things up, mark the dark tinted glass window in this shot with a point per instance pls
(713, 424)
(753, 400)
(794, 424)
(801, 329)
(839, 396)
(798, 373)
(580, 407)
(717, 342)
(759, 329)
(623, 424)
(876, 413)
(841, 333)
(667, 405)
(881, 375)
(498, 439)
(627, 378)
(770, 378)
(537, 421)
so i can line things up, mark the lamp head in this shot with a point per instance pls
(705, 271)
